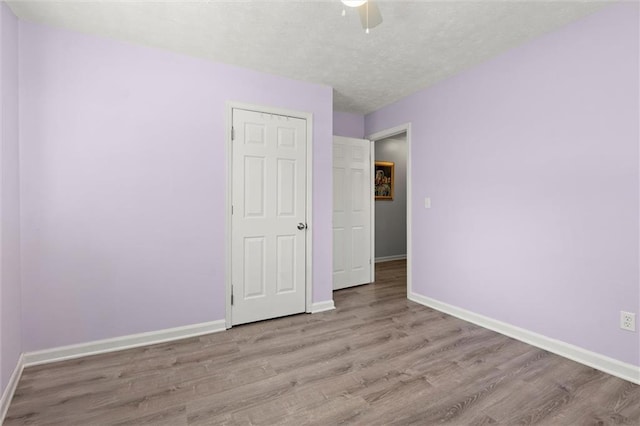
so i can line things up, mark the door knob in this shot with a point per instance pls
(301, 226)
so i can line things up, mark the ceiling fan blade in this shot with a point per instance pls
(370, 8)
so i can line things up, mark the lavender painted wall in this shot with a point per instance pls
(531, 161)
(10, 328)
(348, 124)
(123, 178)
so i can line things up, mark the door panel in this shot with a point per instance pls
(254, 186)
(286, 189)
(352, 204)
(286, 268)
(269, 200)
(254, 267)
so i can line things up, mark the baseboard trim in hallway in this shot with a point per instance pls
(120, 343)
(592, 359)
(390, 258)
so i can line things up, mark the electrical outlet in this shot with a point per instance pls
(627, 321)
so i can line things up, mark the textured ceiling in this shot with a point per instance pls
(418, 44)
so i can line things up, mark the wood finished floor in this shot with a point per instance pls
(378, 359)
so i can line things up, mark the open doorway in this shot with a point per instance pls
(393, 263)
(399, 250)
(390, 156)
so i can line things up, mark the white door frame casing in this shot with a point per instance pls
(308, 117)
(372, 236)
(384, 134)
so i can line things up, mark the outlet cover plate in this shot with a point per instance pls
(627, 321)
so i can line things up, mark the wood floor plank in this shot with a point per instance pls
(377, 359)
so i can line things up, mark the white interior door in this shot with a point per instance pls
(352, 204)
(268, 228)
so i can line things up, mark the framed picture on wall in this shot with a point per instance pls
(384, 180)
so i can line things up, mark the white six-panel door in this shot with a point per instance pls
(352, 204)
(268, 216)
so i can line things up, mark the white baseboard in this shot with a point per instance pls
(7, 395)
(120, 343)
(390, 258)
(595, 360)
(327, 305)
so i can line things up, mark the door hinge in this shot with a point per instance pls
(232, 210)
(231, 295)
(233, 133)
